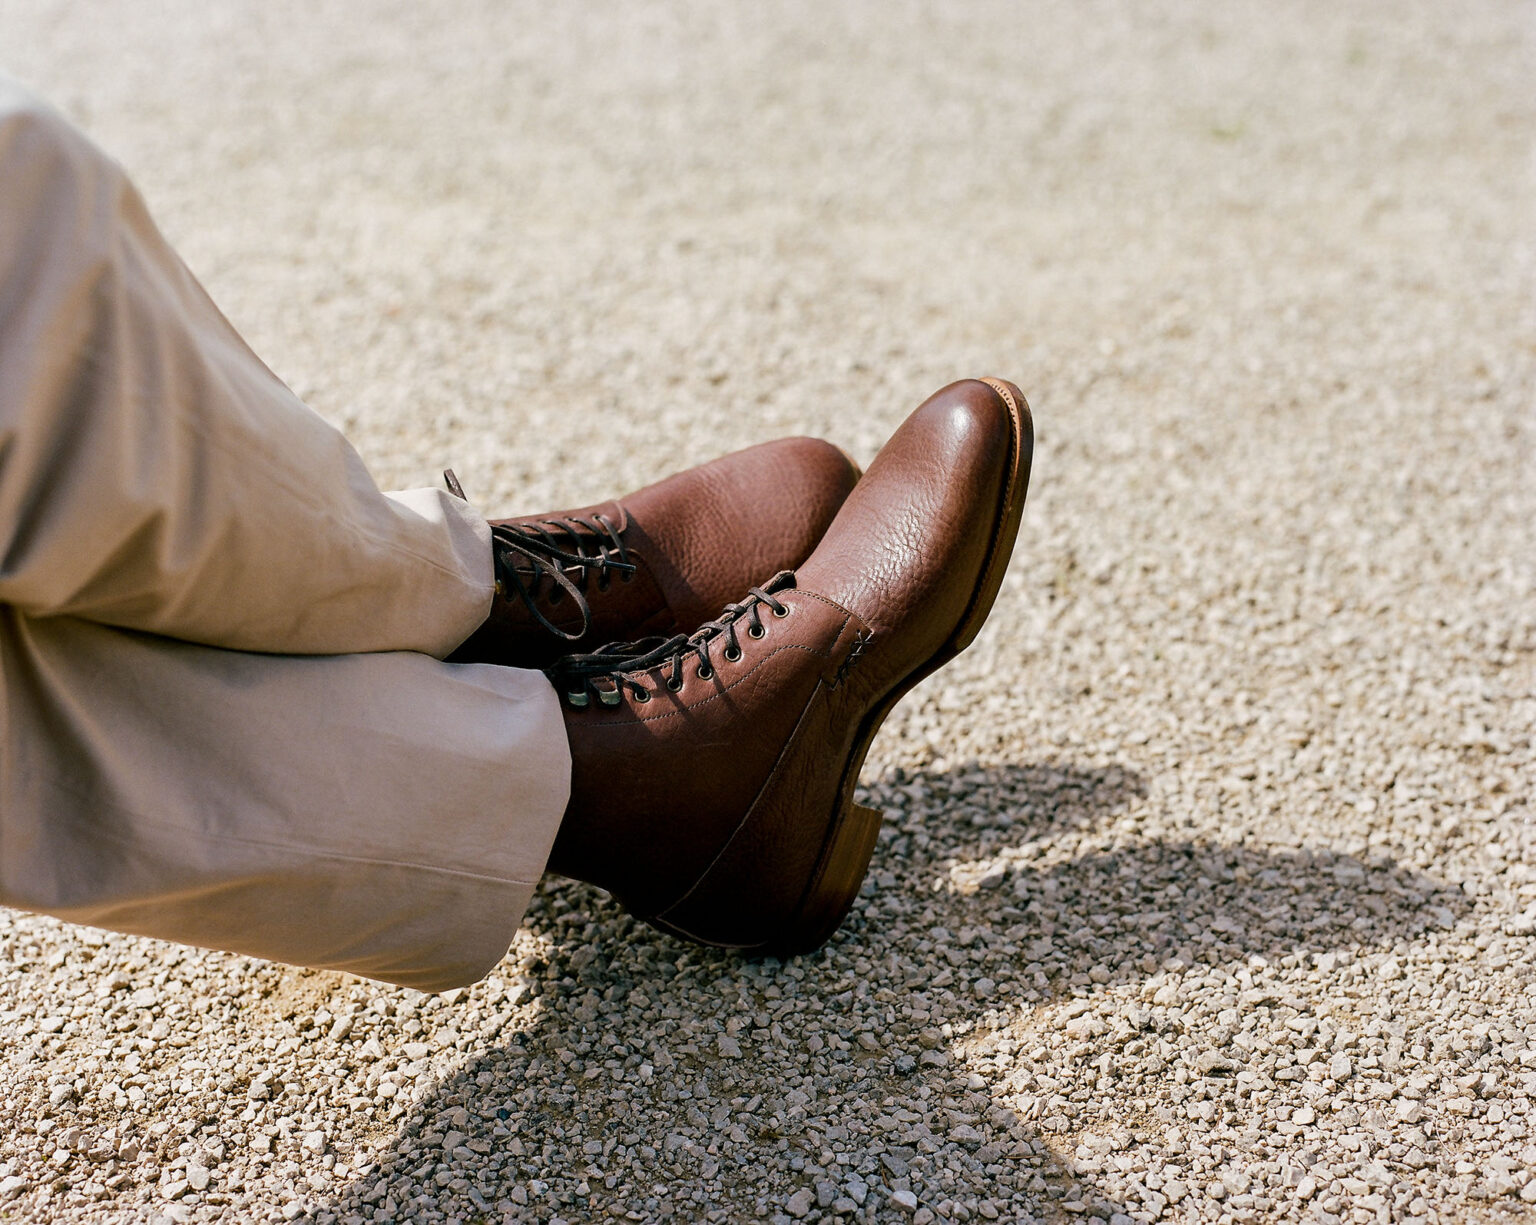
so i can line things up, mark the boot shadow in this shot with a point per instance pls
(635, 1073)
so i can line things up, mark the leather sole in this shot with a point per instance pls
(853, 828)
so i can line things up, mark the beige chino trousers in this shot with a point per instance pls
(224, 719)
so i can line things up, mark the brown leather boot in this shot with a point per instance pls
(661, 560)
(713, 775)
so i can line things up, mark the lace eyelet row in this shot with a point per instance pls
(609, 663)
(732, 655)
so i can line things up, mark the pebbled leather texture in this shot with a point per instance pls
(714, 812)
(698, 539)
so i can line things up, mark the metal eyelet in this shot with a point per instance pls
(733, 655)
(756, 631)
(578, 699)
(781, 611)
(642, 695)
(675, 684)
(609, 697)
(705, 674)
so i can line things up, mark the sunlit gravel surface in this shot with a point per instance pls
(1207, 890)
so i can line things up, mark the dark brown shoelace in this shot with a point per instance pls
(525, 554)
(605, 674)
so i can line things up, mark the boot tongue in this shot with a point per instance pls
(784, 580)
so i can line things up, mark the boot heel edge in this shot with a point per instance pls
(837, 882)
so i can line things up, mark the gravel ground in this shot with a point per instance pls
(1208, 885)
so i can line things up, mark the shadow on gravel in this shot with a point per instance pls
(645, 1080)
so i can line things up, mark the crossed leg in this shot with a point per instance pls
(223, 715)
